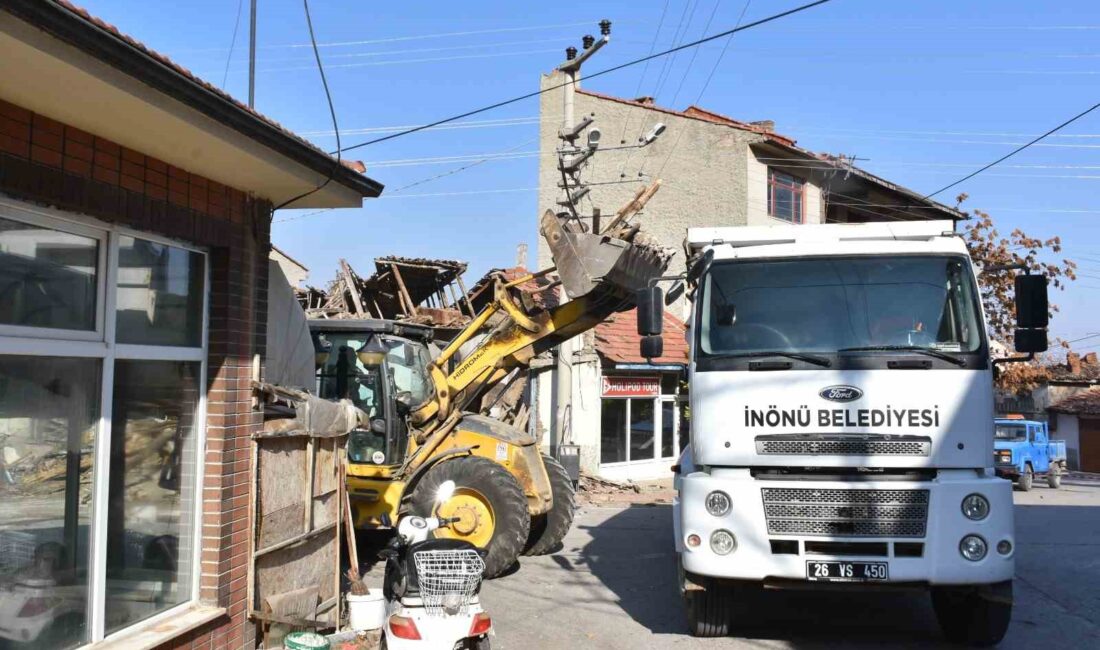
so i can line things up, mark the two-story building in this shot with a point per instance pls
(623, 412)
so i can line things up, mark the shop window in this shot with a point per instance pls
(668, 428)
(100, 426)
(613, 431)
(642, 438)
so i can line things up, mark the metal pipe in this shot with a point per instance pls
(252, 57)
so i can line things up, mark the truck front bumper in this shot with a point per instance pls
(756, 558)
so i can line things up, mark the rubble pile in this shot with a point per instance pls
(413, 290)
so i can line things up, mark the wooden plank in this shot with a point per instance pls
(466, 295)
(404, 292)
(345, 272)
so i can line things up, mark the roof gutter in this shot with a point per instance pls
(68, 26)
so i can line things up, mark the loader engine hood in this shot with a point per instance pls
(843, 418)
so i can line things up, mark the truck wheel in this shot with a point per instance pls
(1026, 480)
(549, 529)
(489, 504)
(976, 616)
(1054, 476)
(709, 610)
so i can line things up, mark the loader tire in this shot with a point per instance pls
(485, 495)
(549, 529)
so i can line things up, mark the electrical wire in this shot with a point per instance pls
(1016, 150)
(706, 84)
(331, 110)
(615, 68)
(638, 90)
(232, 42)
(462, 168)
(677, 37)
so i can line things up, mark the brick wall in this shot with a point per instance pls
(54, 164)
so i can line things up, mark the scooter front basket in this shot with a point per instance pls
(448, 579)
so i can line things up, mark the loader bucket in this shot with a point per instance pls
(599, 264)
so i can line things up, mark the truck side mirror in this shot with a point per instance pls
(652, 346)
(1032, 313)
(651, 308)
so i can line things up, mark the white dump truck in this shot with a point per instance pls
(841, 393)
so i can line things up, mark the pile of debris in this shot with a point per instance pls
(598, 490)
(413, 290)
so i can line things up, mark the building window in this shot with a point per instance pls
(645, 427)
(102, 368)
(784, 196)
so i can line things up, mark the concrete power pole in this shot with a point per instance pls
(252, 57)
(571, 159)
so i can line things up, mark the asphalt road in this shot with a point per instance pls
(613, 585)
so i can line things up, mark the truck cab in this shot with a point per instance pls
(841, 423)
(1023, 449)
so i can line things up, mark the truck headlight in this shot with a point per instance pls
(975, 507)
(718, 503)
(973, 548)
(723, 542)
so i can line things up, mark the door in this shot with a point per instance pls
(1089, 431)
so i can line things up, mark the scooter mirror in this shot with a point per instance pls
(445, 492)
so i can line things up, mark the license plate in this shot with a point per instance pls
(846, 571)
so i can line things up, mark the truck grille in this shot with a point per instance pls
(841, 445)
(846, 513)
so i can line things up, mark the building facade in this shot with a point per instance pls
(714, 171)
(135, 214)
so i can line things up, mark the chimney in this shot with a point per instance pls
(768, 126)
(521, 255)
(1089, 359)
(1073, 361)
(645, 100)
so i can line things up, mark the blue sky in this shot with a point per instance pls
(927, 91)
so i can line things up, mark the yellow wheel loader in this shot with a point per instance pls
(510, 498)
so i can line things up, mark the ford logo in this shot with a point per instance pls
(841, 393)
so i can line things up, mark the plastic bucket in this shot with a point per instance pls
(305, 641)
(366, 612)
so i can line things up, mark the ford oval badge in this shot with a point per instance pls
(841, 393)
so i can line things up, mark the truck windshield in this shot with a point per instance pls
(840, 304)
(1013, 432)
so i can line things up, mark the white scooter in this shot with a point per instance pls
(431, 586)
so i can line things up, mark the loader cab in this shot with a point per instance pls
(382, 368)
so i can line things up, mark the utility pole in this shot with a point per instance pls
(252, 58)
(571, 159)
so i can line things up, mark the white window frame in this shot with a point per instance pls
(101, 345)
(658, 431)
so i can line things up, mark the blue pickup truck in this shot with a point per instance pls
(1023, 448)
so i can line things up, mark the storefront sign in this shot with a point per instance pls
(631, 386)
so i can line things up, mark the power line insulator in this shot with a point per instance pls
(588, 40)
(570, 53)
(605, 27)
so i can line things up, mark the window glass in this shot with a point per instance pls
(668, 423)
(1014, 432)
(828, 304)
(49, 407)
(160, 294)
(47, 277)
(407, 364)
(613, 431)
(151, 495)
(642, 445)
(784, 196)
